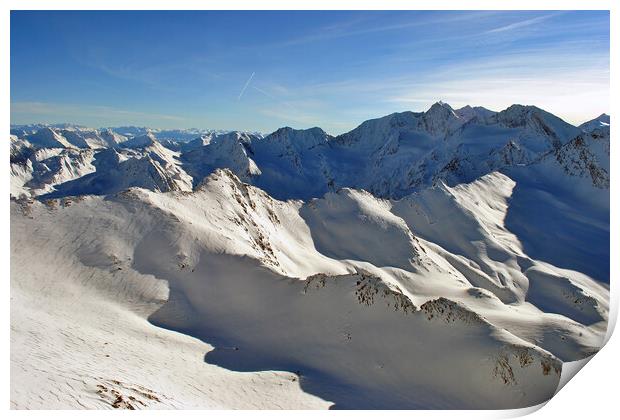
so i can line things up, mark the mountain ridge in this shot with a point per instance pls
(188, 134)
(304, 268)
(390, 156)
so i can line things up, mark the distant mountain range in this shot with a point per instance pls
(390, 156)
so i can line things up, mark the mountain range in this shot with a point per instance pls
(452, 258)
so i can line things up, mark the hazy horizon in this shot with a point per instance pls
(73, 124)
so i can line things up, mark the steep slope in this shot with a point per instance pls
(467, 225)
(443, 259)
(563, 199)
(48, 138)
(154, 169)
(21, 165)
(334, 222)
(140, 142)
(538, 124)
(443, 216)
(517, 136)
(57, 172)
(391, 157)
(289, 287)
(110, 138)
(400, 153)
(600, 122)
(67, 165)
(469, 113)
(79, 331)
(84, 138)
(196, 143)
(230, 151)
(72, 137)
(587, 155)
(293, 163)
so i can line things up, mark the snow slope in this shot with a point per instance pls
(243, 274)
(390, 157)
(601, 121)
(405, 264)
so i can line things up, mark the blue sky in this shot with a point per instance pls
(301, 69)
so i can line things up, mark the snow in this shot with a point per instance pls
(599, 122)
(391, 157)
(402, 265)
(226, 150)
(80, 332)
(48, 138)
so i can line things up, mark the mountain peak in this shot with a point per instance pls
(48, 137)
(440, 118)
(440, 105)
(468, 112)
(312, 130)
(302, 139)
(603, 118)
(601, 121)
(141, 141)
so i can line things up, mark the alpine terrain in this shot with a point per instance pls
(447, 259)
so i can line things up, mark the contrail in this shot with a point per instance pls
(245, 86)
(270, 96)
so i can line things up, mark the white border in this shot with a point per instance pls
(592, 395)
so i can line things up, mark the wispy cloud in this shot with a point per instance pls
(562, 82)
(342, 67)
(76, 113)
(521, 24)
(529, 63)
(363, 26)
(300, 110)
(267, 94)
(560, 86)
(162, 76)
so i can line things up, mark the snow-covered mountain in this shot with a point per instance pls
(391, 156)
(600, 122)
(404, 264)
(182, 135)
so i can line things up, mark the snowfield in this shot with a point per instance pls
(451, 259)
